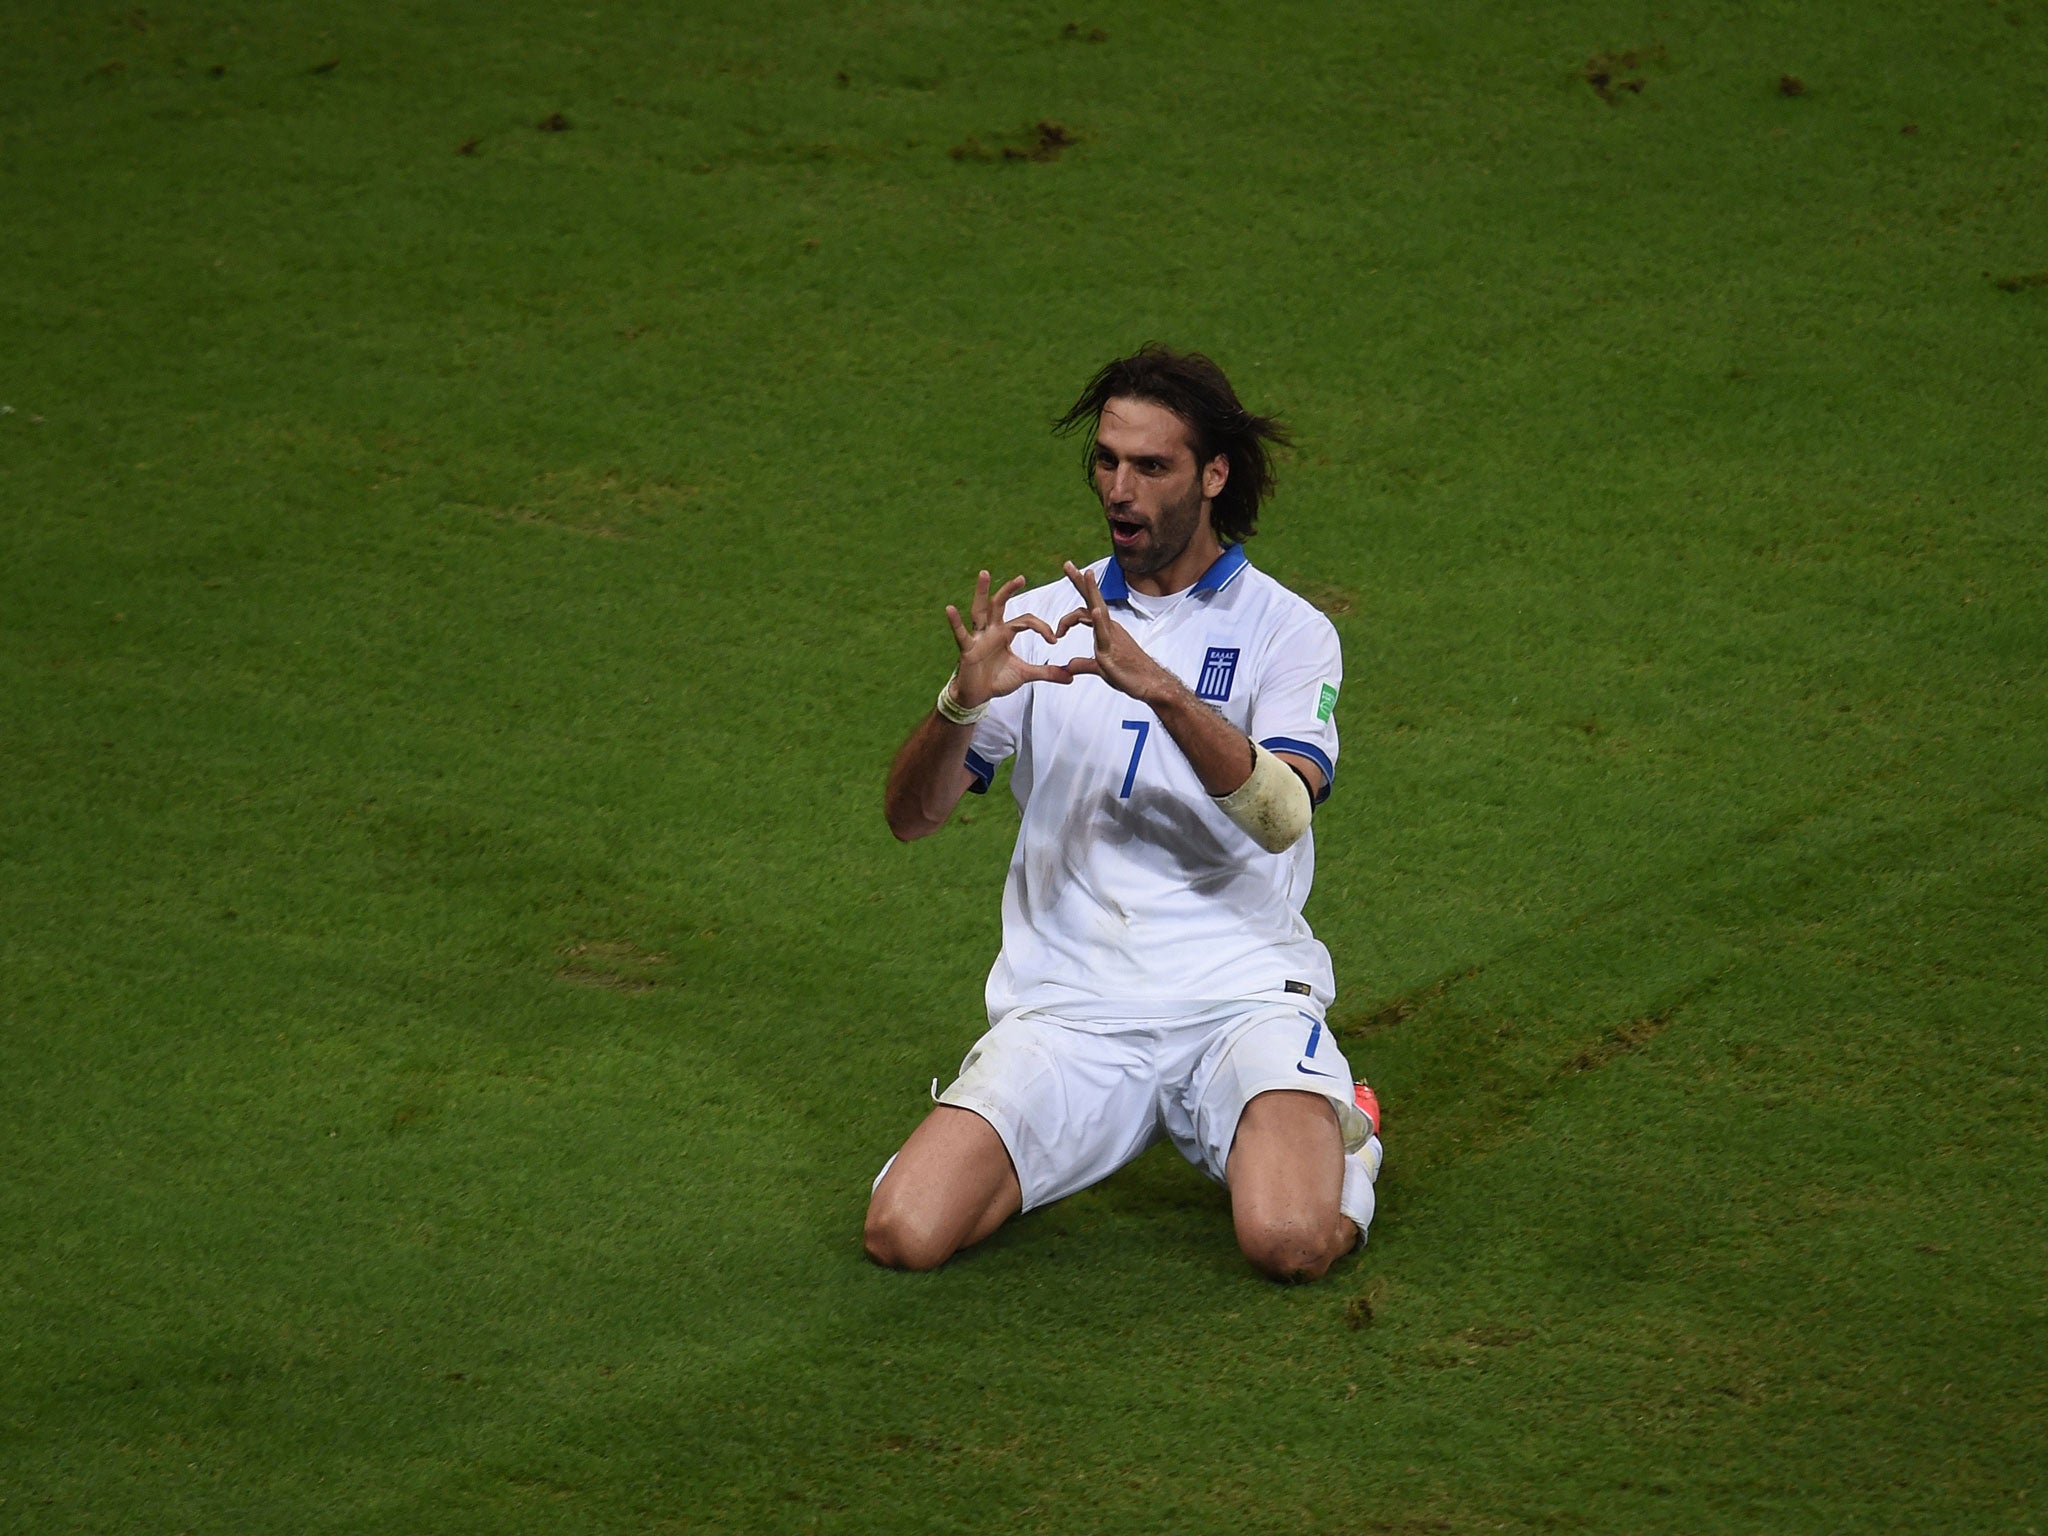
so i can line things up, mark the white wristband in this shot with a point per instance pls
(1272, 806)
(950, 707)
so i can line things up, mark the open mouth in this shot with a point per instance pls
(1123, 533)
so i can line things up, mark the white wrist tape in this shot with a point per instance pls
(1272, 805)
(951, 708)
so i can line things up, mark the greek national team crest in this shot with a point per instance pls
(1219, 668)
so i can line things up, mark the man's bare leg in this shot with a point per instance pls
(950, 1186)
(1286, 1171)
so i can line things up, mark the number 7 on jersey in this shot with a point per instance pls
(1144, 729)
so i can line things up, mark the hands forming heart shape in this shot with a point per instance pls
(988, 668)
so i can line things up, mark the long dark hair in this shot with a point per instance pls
(1194, 389)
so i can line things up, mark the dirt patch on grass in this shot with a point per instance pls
(617, 965)
(1632, 1036)
(1328, 596)
(2021, 282)
(1360, 1309)
(1407, 1005)
(593, 504)
(1616, 76)
(1045, 141)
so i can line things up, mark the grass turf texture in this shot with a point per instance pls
(457, 608)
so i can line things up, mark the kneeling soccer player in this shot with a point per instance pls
(1171, 710)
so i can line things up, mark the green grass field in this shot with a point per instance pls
(456, 609)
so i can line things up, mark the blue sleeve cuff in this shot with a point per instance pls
(1307, 749)
(983, 770)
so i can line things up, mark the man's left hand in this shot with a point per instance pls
(1118, 660)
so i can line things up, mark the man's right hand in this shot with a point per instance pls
(988, 668)
(930, 773)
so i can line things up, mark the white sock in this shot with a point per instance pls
(1356, 1199)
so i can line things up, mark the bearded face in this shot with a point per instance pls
(1155, 492)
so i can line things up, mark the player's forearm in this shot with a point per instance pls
(1218, 751)
(927, 778)
(1270, 797)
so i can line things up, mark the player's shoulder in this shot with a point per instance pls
(1282, 610)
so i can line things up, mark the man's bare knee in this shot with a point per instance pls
(1291, 1254)
(948, 1188)
(1286, 1174)
(895, 1239)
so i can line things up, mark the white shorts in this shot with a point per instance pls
(1073, 1103)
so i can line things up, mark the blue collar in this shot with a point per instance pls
(1221, 570)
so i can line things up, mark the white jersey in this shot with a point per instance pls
(1131, 896)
